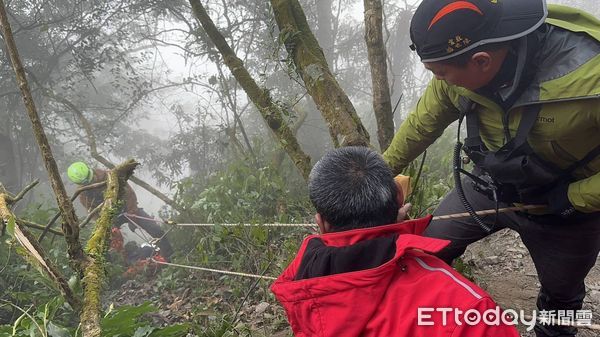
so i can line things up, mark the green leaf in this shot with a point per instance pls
(5, 331)
(10, 226)
(143, 331)
(171, 331)
(57, 331)
(122, 321)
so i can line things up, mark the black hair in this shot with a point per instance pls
(462, 60)
(353, 187)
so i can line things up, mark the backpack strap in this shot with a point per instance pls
(466, 107)
(585, 160)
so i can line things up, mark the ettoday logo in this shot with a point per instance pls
(496, 317)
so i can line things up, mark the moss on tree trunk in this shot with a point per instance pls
(97, 247)
(261, 97)
(311, 65)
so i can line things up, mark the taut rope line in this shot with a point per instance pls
(439, 217)
(215, 270)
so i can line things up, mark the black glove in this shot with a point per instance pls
(558, 200)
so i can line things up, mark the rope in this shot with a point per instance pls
(246, 225)
(142, 217)
(439, 217)
(489, 212)
(214, 270)
(141, 234)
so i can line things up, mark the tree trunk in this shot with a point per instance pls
(382, 104)
(70, 225)
(261, 98)
(279, 155)
(311, 65)
(8, 166)
(97, 247)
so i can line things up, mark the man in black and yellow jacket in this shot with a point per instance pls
(525, 77)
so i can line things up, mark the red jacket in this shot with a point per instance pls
(384, 301)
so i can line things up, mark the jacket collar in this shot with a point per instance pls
(409, 238)
(410, 235)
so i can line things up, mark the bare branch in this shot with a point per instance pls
(91, 215)
(24, 191)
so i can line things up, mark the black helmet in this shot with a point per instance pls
(442, 29)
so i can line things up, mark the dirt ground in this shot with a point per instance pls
(501, 265)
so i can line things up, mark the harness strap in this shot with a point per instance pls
(528, 119)
(466, 106)
(585, 160)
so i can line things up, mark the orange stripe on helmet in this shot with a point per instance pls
(452, 7)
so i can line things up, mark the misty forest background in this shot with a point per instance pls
(152, 81)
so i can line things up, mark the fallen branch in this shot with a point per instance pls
(34, 253)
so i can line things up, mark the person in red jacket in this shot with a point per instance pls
(366, 276)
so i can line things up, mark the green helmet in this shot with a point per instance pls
(80, 173)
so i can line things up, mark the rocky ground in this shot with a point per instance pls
(501, 265)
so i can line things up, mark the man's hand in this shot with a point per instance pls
(558, 201)
(403, 212)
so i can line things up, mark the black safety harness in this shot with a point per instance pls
(514, 173)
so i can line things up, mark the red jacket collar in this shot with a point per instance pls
(410, 238)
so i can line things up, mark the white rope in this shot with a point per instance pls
(147, 238)
(439, 217)
(246, 225)
(214, 270)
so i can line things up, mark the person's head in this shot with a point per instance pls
(353, 187)
(80, 173)
(466, 42)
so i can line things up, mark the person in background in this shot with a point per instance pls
(83, 175)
